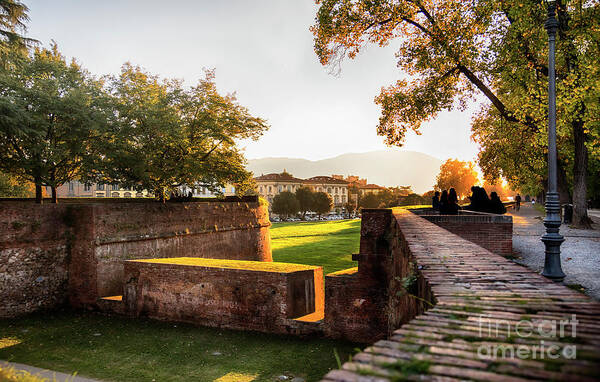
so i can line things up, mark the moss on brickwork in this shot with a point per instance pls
(231, 264)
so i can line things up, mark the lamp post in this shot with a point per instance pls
(552, 239)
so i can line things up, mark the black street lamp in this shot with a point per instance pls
(552, 239)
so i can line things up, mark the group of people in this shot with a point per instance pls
(447, 202)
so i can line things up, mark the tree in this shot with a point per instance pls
(50, 115)
(11, 187)
(164, 136)
(454, 50)
(13, 15)
(305, 196)
(322, 203)
(458, 175)
(370, 200)
(285, 204)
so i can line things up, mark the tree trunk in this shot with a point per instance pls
(54, 196)
(38, 193)
(564, 193)
(580, 216)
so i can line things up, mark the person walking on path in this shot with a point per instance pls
(518, 204)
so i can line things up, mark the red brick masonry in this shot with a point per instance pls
(75, 250)
(474, 290)
(490, 231)
(262, 296)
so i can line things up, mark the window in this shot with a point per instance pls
(233, 190)
(336, 190)
(270, 189)
(87, 187)
(260, 189)
(100, 187)
(280, 188)
(115, 187)
(329, 190)
(343, 198)
(71, 186)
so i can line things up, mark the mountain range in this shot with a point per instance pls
(385, 168)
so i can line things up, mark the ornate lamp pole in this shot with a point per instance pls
(552, 239)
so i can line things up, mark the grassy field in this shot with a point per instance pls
(122, 349)
(326, 243)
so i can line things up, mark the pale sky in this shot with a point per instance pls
(263, 51)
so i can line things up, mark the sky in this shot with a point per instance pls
(263, 51)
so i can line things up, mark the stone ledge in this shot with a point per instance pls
(480, 299)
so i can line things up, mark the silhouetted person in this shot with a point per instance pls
(435, 201)
(444, 203)
(452, 208)
(496, 205)
(518, 202)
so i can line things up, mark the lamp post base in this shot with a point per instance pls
(552, 239)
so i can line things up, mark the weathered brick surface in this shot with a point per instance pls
(33, 258)
(367, 304)
(74, 251)
(125, 231)
(490, 231)
(479, 298)
(237, 298)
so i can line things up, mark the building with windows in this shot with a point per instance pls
(270, 185)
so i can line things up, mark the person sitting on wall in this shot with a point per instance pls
(452, 202)
(479, 200)
(496, 205)
(435, 201)
(444, 203)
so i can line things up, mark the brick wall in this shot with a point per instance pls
(41, 245)
(490, 231)
(479, 301)
(240, 296)
(33, 257)
(366, 303)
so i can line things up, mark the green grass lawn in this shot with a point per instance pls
(326, 243)
(123, 349)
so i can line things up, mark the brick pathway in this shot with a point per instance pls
(473, 289)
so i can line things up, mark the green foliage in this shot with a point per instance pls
(12, 187)
(369, 200)
(285, 204)
(454, 50)
(13, 15)
(163, 136)
(322, 203)
(50, 115)
(306, 197)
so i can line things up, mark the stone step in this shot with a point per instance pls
(111, 304)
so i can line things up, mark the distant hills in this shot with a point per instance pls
(385, 168)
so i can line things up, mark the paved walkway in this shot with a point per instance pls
(580, 252)
(50, 375)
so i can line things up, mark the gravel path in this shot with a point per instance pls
(580, 253)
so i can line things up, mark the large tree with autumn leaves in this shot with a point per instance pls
(454, 50)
